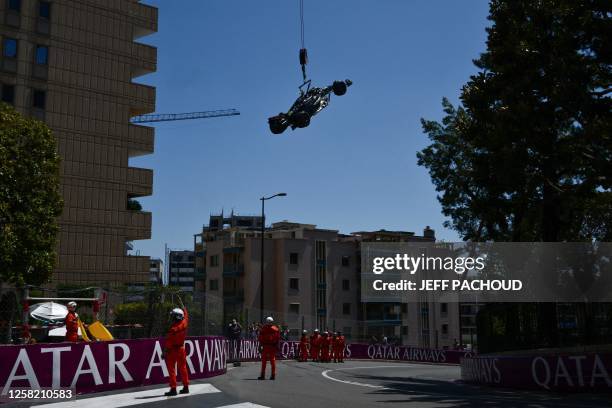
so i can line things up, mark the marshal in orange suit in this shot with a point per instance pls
(269, 336)
(72, 323)
(174, 350)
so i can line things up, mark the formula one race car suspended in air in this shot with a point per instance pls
(311, 100)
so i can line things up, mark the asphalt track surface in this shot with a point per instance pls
(354, 384)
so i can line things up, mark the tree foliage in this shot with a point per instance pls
(30, 202)
(527, 156)
(134, 205)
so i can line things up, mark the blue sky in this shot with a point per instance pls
(354, 168)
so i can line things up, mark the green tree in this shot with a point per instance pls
(134, 205)
(30, 201)
(528, 154)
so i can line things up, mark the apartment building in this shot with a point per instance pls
(72, 65)
(303, 265)
(181, 270)
(312, 279)
(156, 271)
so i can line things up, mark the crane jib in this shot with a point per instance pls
(166, 117)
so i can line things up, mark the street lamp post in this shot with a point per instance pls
(263, 230)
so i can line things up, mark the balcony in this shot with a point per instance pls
(147, 59)
(383, 322)
(382, 319)
(137, 223)
(232, 250)
(144, 18)
(142, 99)
(140, 140)
(233, 270)
(140, 182)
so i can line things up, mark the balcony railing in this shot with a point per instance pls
(233, 270)
(140, 140)
(142, 99)
(232, 250)
(383, 317)
(140, 181)
(383, 322)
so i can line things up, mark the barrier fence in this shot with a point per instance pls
(103, 366)
(249, 351)
(568, 372)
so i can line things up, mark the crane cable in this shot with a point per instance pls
(303, 52)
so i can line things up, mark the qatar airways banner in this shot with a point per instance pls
(101, 366)
(249, 350)
(567, 372)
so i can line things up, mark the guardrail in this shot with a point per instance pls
(566, 372)
(103, 366)
(248, 350)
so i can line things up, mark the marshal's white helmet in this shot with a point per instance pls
(269, 319)
(177, 314)
(304, 331)
(72, 304)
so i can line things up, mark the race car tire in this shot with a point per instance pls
(301, 119)
(277, 125)
(339, 88)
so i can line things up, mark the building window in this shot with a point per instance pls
(404, 330)
(346, 308)
(44, 10)
(294, 284)
(293, 258)
(443, 308)
(14, 5)
(445, 329)
(346, 284)
(8, 94)
(9, 48)
(294, 308)
(42, 54)
(214, 284)
(39, 99)
(214, 260)
(346, 260)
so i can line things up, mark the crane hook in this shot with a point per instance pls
(303, 61)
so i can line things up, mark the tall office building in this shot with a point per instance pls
(71, 64)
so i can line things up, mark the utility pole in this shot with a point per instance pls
(261, 271)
